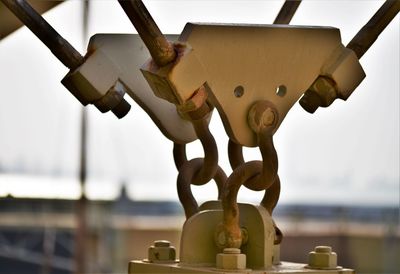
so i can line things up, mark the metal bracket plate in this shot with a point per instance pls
(129, 53)
(248, 63)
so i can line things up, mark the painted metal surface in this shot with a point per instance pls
(266, 62)
(127, 52)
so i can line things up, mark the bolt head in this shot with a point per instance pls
(233, 261)
(323, 249)
(230, 250)
(162, 252)
(322, 258)
(262, 114)
(162, 243)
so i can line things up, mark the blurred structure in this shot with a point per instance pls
(36, 235)
(10, 23)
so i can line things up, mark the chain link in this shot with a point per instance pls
(198, 171)
(255, 175)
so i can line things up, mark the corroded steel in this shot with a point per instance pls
(236, 159)
(287, 12)
(325, 90)
(160, 48)
(210, 165)
(198, 171)
(256, 175)
(271, 196)
(60, 47)
(364, 39)
(185, 179)
(235, 153)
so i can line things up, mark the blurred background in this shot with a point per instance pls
(339, 167)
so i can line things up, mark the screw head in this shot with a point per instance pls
(161, 252)
(230, 250)
(162, 243)
(263, 114)
(323, 249)
(231, 259)
(322, 258)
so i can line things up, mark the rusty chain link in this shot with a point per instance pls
(271, 196)
(255, 175)
(198, 171)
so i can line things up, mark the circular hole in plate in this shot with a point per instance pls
(281, 90)
(238, 91)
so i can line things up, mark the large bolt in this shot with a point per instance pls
(262, 114)
(322, 93)
(231, 258)
(162, 252)
(322, 258)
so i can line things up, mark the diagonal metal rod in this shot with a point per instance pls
(287, 12)
(60, 47)
(161, 50)
(375, 26)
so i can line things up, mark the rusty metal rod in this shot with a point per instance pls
(60, 47)
(179, 152)
(235, 153)
(210, 165)
(161, 50)
(287, 12)
(364, 39)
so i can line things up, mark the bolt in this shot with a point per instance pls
(162, 243)
(231, 258)
(262, 114)
(161, 252)
(267, 118)
(221, 240)
(323, 249)
(322, 258)
(322, 93)
(231, 250)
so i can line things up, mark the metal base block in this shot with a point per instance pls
(137, 267)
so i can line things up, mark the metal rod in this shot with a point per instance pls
(235, 153)
(161, 50)
(63, 50)
(287, 12)
(81, 205)
(370, 32)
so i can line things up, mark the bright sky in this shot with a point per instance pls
(347, 153)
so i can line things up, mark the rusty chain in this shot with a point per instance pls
(198, 171)
(255, 175)
(271, 196)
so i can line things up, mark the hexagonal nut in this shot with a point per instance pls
(324, 88)
(321, 260)
(161, 254)
(344, 68)
(234, 261)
